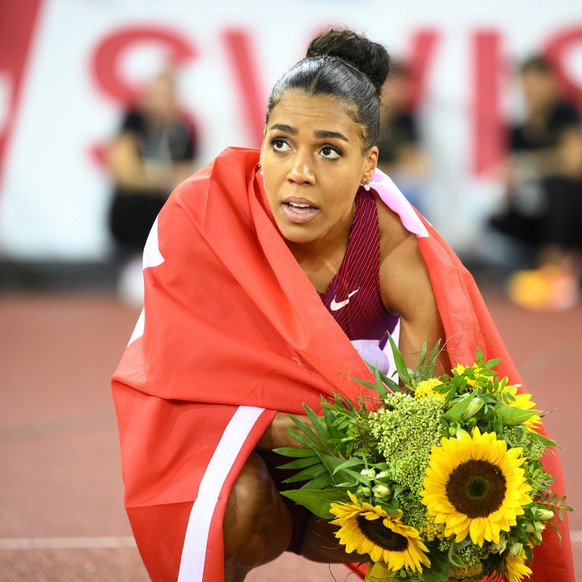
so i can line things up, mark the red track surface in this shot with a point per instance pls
(61, 512)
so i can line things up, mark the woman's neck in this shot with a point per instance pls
(321, 259)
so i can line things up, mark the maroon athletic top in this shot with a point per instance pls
(353, 296)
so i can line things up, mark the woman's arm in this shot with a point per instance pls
(130, 171)
(406, 290)
(277, 434)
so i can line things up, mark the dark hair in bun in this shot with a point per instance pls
(346, 65)
(370, 58)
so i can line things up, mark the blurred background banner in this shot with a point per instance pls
(68, 67)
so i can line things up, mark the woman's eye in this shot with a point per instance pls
(329, 153)
(280, 145)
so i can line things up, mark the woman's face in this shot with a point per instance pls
(313, 164)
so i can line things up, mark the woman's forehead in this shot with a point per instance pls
(297, 109)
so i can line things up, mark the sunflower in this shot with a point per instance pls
(475, 486)
(370, 530)
(516, 567)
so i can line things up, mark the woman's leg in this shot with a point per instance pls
(257, 528)
(321, 545)
(257, 525)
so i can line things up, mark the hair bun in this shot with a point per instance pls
(370, 58)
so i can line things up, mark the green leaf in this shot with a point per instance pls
(320, 482)
(301, 438)
(401, 367)
(494, 363)
(294, 452)
(479, 357)
(308, 474)
(316, 501)
(512, 416)
(365, 383)
(330, 462)
(422, 358)
(457, 411)
(398, 489)
(355, 476)
(301, 463)
(318, 424)
(329, 416)
(347, 464)
(430, 366)
(454, 557)
(439, 567)
(394, 386)
(544, 440)
(308, 432)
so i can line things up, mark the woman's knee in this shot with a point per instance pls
(257, 526)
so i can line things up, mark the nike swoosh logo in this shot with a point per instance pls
(335, 305)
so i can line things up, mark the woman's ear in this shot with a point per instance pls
(370, 164)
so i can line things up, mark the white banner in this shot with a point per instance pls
(69, 64)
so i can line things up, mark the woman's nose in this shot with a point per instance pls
(301, 170)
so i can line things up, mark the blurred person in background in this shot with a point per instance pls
(536, 150)
(400, 151)
(555, 283)
(154, 150)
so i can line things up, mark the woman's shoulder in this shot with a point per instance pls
(403, 273)
(393, 233)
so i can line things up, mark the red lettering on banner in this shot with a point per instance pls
(109, 54)
(17, 28)
(246, 73)
(557, 49)
(487, 134)
(419, 61)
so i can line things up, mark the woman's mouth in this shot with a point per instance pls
(299, 212)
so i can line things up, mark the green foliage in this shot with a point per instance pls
(439, 567)
(316, 500)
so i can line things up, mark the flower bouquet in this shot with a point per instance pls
(437, 479)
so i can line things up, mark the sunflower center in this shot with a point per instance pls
(476, 488)
(381, 535)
